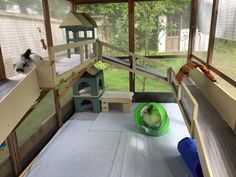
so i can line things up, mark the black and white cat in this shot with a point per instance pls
(25, 61)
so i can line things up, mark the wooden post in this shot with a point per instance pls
(14, 153)
(131, 43)
(48, 29)
(2, 69)
(212, 31)
(192, 28)
(58, 107)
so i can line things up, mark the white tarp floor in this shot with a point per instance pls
(111, 146)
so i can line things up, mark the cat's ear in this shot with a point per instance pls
(27, 54)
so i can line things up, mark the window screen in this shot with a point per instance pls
(204, 10)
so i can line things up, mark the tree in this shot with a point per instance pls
(148, 25)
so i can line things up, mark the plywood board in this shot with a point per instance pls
(16, 104)
(222, 101)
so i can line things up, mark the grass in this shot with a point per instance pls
(224, 59)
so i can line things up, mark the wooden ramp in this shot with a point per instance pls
(123, 64)
(19, 95)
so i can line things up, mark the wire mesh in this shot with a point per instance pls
(204, 10)
(224, 53)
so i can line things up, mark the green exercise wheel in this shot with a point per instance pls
(151, 119)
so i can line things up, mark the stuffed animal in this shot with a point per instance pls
(151, 117)
(26, 60)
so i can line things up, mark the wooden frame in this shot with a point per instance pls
(192, 28)
(211, 40)
(47, 74)
(179, 92)
(212, 31)
(2, 68)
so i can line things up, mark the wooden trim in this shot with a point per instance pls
(17, 102)
(58, 48)
(57, 107)
(2, 68)
(131, 43)
(14, 153)
(219, 73)
(212, 31)
(47, 23)
(192, 29)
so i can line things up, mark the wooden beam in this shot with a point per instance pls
(131, 43)
(58, 107)
(212, 31)
(48, 29)
(47, 23)
(2, 68)
(192, 28)
(14, 153)
(105, 1)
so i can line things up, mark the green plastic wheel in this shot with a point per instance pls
(161, 129)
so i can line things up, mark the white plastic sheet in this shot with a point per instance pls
(111, 146)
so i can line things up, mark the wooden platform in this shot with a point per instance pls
(124, 98)
(210, 117)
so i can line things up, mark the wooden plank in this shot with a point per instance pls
(45, 75)
(57, 107)
(2, 68)
(192, 28)
(202, 152)
(212, 31)
(219, 98)
(14, 152)
(20, 99)
(63, 47)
